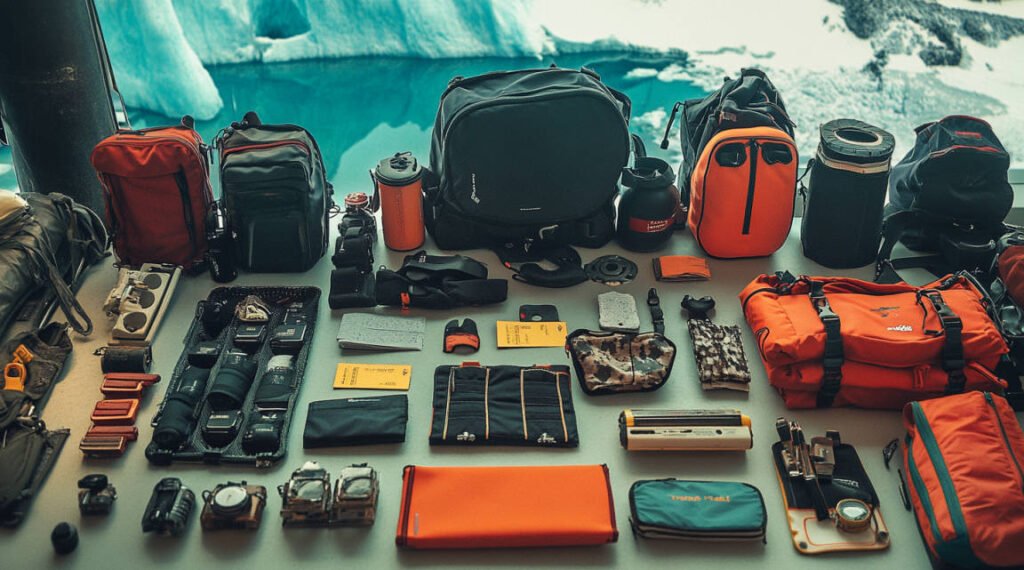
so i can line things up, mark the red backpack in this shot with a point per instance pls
(156, 188)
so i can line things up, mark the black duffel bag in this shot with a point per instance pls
(46, 241)
(948, 197)
(520, 156)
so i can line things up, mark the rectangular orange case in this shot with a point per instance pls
(506, 507)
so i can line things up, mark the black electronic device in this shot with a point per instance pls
(538, 313)
(96, 495)
(221, 428)
(169, 508)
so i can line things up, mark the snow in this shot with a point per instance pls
(159, 48)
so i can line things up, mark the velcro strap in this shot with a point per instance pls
(833, 357)
(952, 355)
(657, 315)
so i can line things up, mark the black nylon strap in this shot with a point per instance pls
(832, 361)
(952, 355)
(657, 315)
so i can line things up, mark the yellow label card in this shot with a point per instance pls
(515, 334)
(373, 376)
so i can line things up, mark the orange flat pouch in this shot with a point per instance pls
(681, 268)
(506, 507)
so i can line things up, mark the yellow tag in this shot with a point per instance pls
(373, 376)
(515, 334)
(22, 354)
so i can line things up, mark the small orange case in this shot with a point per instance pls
(506, 507)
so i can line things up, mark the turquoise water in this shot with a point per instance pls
(361, 110)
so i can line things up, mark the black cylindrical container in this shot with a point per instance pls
(842, 222)
(647, 209)
(220, 254)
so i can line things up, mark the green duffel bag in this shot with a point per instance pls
(717, 511)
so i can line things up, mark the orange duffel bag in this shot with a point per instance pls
(837, 341)
(962, 460)
(506, 507)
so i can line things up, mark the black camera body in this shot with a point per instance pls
(96, 495)
(169, 508)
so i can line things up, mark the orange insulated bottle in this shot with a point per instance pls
(399, 181)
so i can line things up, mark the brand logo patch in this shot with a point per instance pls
(901, 328)
(472, 183)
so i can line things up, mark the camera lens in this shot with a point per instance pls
(232, 383)
(176, 417)
(276, 383)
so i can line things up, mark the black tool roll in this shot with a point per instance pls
(843, 201)
(503, 405)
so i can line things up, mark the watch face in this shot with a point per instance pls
(852, 510)
(231, 498)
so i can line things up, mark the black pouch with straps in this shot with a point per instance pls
(439, 282)
(503, 405)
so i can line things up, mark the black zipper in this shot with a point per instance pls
(186, 203)
(1006, 439)
(751, 185)
(403, 538)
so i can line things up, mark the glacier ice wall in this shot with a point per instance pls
(157, 47)
(154, 65)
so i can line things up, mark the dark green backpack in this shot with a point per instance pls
(276, 195)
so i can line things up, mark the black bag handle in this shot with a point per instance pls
(251, 119)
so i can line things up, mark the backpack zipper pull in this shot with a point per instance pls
(671, 119)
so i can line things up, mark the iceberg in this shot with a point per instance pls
(153, 63)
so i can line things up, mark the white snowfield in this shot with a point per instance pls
(159, 49)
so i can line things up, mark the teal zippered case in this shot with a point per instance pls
(697, 510)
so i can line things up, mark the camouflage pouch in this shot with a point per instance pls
(718, 349)
(614, 362)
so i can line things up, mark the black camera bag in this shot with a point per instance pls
(518, 156)
(276, 195)
(847, 179)
(948, 196)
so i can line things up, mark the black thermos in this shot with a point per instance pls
(647, 209)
